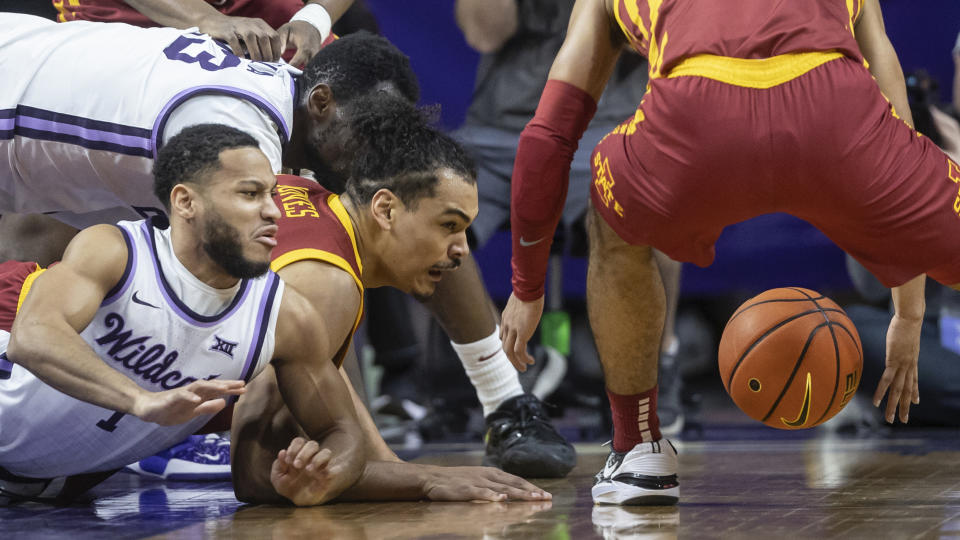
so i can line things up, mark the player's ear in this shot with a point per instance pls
(320, 103)
(384, 206)
(183, 201)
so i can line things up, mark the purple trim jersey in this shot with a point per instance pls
(85, 107)
(145, 330)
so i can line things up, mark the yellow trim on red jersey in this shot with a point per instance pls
(307, 254)
(752, 73)
(633, 12)
(333, 201)
(27, 283)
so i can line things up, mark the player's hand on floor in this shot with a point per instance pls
(519, 322)
(899, 380)
(303, 37)
(244, 35)
(180, 405)
(303, 474)
(478, 484)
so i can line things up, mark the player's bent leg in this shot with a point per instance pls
(669, 382)
(625, 304)
(519, 437)
(33, 237)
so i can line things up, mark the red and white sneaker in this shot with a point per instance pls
(646, 475)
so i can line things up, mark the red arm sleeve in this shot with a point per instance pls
(541, 175)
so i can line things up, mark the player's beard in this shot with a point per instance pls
(222, 243)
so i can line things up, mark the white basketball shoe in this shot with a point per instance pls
(646, 475)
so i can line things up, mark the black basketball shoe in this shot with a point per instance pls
(521, 441)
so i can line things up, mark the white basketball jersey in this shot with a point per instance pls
(85, 106)
(145, 331)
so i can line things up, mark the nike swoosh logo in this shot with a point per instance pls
(489, 356)
(142, 302)
(211, 457)
(804, 409)
(524, 243)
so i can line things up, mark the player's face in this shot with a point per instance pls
(239, 222)
(431, 239)
(329, 151)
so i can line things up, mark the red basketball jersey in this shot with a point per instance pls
(315, 226)
(276, 13)
(667, 31)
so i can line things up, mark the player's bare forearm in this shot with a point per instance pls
(908, 299)
(57, 355)
(487, 24)
(590, 50)
(335, 8)
(377, 448)
(175, 13)
(45, 338)
(314, 391)
(880, 55)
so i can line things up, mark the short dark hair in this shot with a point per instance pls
(192, 153)
(399, 151)
(358, 63)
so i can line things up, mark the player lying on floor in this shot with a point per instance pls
(144, 330)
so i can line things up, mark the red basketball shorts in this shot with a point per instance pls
(12, 276)
(809, 134)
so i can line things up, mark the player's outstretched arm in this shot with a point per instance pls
(900, 376)
(899, 379)
(45, 338)
(242, 34)
(399, 481)
(541, 170)
(332, 291)
(320, 402)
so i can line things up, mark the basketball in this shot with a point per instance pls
(790, 358)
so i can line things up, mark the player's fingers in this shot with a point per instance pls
(885, 380)
(518, 483)
(294, 448)
(233, 40)
(893, 396)
(487, 494)
(306, 453)
(279, 466)
(320, 460)
(212, 406)
(508, 346)
(906, 396)
(517, 494)
(300, 58)
(253, 45)
(269, 47)
(283, 38)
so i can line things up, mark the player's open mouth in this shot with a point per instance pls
(435, 274)
(267, 236)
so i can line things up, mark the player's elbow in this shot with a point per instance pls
(23, 346)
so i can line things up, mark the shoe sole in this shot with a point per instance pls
(629, 495)
(531, 465)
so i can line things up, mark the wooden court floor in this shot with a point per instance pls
(735, 483)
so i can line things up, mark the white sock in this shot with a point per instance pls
(492, 374)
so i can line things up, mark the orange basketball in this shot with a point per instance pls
(790, 358)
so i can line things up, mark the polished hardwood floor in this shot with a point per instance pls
(737, 481)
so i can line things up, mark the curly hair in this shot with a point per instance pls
(357, 63)
(399, 151)
(192, 153)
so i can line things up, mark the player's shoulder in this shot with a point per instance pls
(99, 252)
